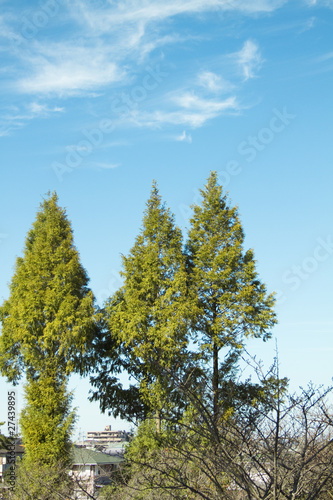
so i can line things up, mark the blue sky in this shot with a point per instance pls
(99, 98)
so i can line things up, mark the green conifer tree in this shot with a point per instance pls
(232, 302)
(148, 317)
(47, 325)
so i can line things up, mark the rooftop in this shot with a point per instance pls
(92, 457)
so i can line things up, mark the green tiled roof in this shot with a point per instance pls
(90, 457)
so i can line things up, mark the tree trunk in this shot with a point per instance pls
(277, 433)
(158, 422)
(215, 381)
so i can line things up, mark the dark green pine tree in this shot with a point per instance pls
(147, 318)
(233, 303)
(47, 327)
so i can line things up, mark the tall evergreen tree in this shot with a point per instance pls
(233, 303)
(148, 317)
(47, 325)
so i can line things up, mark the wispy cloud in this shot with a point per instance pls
(189, 110)
(63, 70)
(104, 45)
(113, 32)
(189, 100)
(249, 59)
(325, 57)
(38, 109)
(14, 117)
(135, 27)
(213, 82)
(324, 63)
(184, 137)
(144, 12)
(320, 3)
(308, 24)
(106, 166)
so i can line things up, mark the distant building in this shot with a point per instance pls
(5, 458)
(91, 470)
(106, 437)
(115, 448)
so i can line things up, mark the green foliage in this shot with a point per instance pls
(279, 447)
(47, 422)
(177, 326)
(39, 481)
(174, 463)
(178, 329)
(47, 326)
(232, 302)
(49, 317)
(4, 441)
(145, 441)
(152, 316)
(148, 316)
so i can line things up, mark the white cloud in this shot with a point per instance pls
(42, 109)
(133, 26)
(14, 118)
(323, 3)
(5, 30)
(106, 166)
(210, 81)
(107, 46)
(149, 46)
(63, 70)
(113, 32)
(249, 59)
(143, 12)
(184, 137)
(325, 57)
(78, 148)
(213, 83)
(189, 100)
(192, 111)
(260, 5)
(116, 35)
(309, 24)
